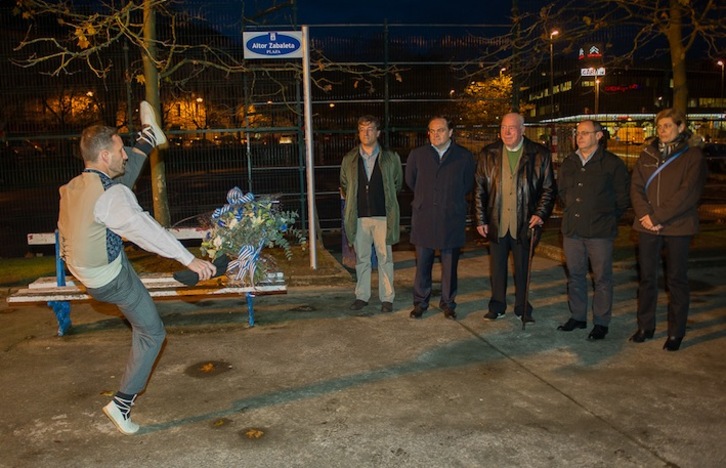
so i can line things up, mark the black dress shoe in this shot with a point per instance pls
(449, 313)
(672, 343)
(417, 312)
(387, 307)
(598, 333)
(642, 335)
(571, 324)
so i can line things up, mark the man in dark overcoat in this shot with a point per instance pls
(440, 174)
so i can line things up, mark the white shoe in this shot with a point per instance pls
(122, 424)
(148, 117)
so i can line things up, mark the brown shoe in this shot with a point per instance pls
(449, 313)
(417, 312)
(358, 304)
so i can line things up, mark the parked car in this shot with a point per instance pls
(715, 154)
(24, 148)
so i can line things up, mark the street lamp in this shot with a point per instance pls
(721, 64)
(552, 71)
(597, 96)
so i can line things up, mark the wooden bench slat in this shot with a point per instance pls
(181, 233)
(27, 295)
(159, 285)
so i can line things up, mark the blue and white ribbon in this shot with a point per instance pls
(235, 198)
(246, 263)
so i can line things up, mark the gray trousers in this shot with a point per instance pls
(147, 330)
(599, 252)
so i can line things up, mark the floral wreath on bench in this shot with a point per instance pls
(243, 227)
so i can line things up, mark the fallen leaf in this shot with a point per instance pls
(254, 433)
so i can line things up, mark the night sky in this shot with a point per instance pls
(227, 13)
(406, 11)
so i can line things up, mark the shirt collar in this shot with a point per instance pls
(374, 153)
(584, 160)
(516, 148)
(444, 150)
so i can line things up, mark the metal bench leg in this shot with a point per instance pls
(251, 308)
(61, 309)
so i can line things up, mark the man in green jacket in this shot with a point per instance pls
(370, 178)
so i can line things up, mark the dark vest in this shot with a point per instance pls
(371, 198)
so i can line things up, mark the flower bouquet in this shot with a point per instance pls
(242, 228)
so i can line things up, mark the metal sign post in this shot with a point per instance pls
(293, 44)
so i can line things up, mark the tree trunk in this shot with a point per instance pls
(156, 158)
(674, 33)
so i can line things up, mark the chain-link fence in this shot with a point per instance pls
(245, 129)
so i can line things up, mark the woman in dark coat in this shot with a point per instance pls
(666, 186)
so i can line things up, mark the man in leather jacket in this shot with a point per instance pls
(514, 195)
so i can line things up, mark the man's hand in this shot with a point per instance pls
(483, 230)
(535, 221)
(203, 268)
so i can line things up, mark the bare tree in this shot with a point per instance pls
(631, 30)
(87, 31)
(87, 34)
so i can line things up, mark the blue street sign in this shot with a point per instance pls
(273, 44)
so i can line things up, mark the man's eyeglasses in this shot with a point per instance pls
(437, 131)
(510, 128)
(583, 133)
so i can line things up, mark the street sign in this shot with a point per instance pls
(273, 45)
(592, 71)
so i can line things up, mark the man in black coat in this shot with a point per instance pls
(594, 191)
(515, 193)
(440, 175)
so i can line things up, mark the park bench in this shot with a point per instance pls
(60, 291)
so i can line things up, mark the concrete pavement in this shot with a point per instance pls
(315, 384)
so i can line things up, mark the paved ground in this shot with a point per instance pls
(314, 384)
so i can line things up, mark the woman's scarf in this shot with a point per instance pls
(666, 149)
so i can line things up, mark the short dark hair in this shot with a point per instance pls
(369, 119)
(94, 139)
(444, 118)
(597, 126)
